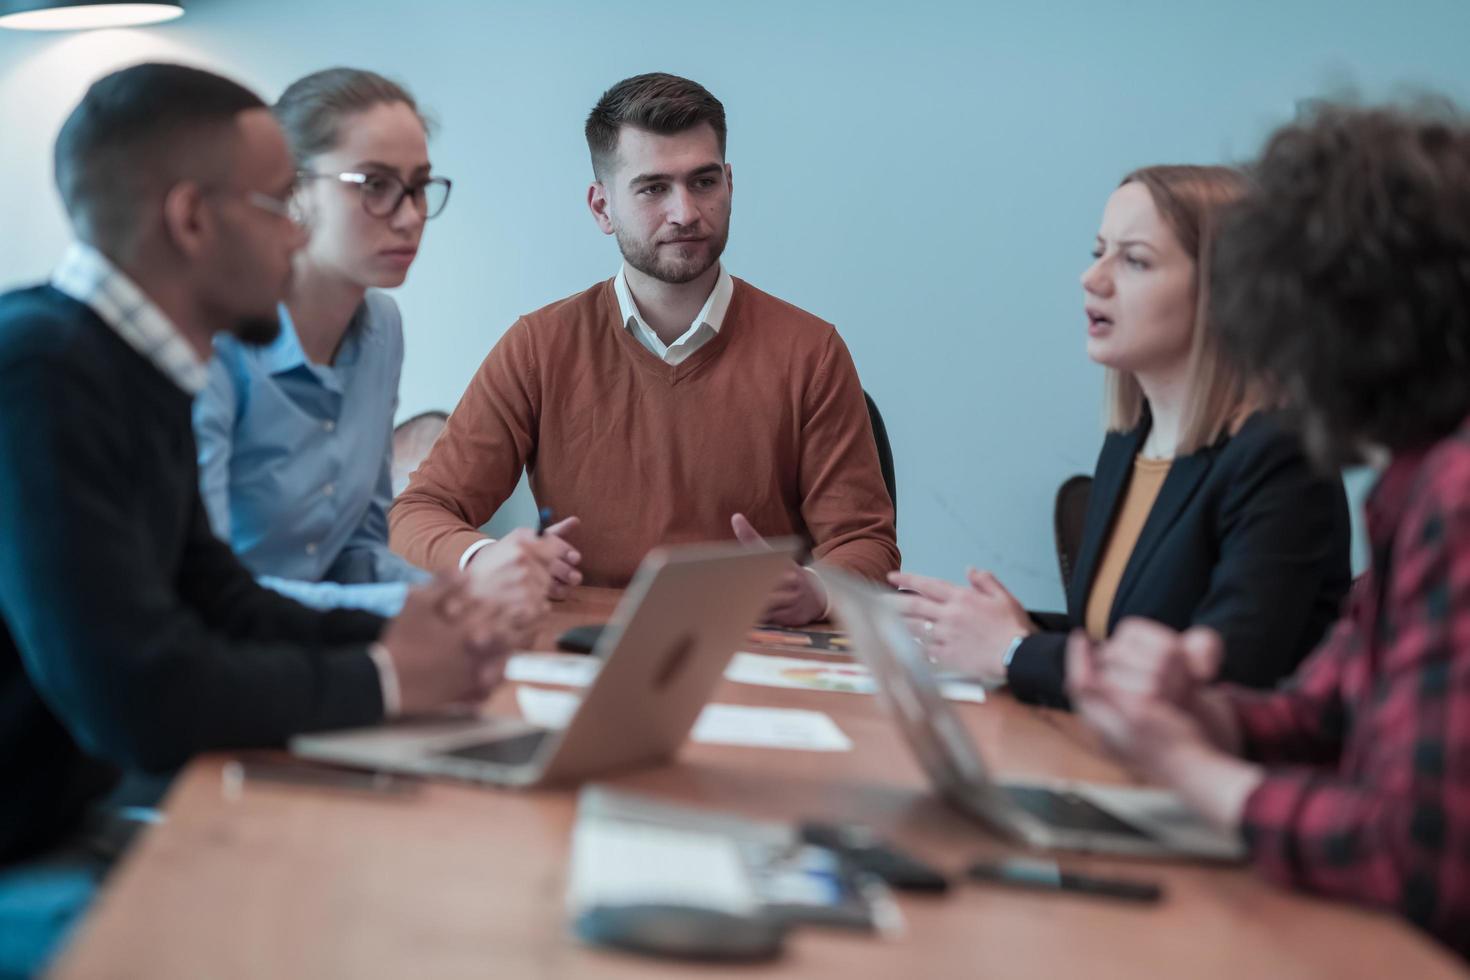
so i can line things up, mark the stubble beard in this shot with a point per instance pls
(261, 329)
(647, 259)
(257, 331)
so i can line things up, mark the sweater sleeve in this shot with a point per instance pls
(230, 601)
(474, 465)
(844, 502)
(138, 673)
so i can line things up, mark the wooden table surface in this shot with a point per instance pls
(465, 881)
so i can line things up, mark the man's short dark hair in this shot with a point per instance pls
(1343, 277)
(657, 102)
(135, 129)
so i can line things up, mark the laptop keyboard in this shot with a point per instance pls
(1068, 811)
(513, 751)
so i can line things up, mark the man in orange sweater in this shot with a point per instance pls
(672, 403)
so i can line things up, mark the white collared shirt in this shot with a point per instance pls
(706, 323)
(87, 276)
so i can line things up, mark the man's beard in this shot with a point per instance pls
(257, 331)
(645, 257)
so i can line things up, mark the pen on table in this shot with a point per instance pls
(238, 771)
(1049, 876)
(543, 521)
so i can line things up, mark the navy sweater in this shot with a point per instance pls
(130, 637)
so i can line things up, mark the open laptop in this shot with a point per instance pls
(680, 621)
(1054, 815)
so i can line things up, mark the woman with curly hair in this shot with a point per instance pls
(1204, 509)
(1343, 280)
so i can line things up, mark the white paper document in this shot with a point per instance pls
(825, 675)
(718, 724)
(618, 862)
(769, 728)
(549, 709)
(577, 670)
(565, 669)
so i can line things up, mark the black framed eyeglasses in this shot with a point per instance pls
(382, 193)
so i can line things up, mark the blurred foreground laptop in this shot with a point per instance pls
(1054, 815)
(680, 621)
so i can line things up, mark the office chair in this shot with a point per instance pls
(412, 440)
(885, 452)
(1067, 520)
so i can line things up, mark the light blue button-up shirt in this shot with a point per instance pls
(294, 461)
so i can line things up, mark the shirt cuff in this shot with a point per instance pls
(826, 596)
(1010, 654)
(469, 552)
(387, 680)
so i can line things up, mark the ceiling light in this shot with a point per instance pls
(82, 15)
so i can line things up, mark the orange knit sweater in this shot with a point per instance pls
(766, 419)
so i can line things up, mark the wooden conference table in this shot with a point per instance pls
(461, 881)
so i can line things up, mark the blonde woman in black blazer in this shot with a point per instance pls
(1204, 510)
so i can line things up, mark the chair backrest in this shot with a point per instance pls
(885, 452)
(412, 440)
(1067, 521)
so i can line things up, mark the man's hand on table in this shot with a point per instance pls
(523, 562)
(799, 597)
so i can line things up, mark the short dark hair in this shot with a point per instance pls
(134, 129)
(1342, 278)
(657, 102)
(312, 108)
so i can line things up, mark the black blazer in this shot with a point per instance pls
(1244, 537)
(130, 637)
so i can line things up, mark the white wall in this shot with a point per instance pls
(926, 175)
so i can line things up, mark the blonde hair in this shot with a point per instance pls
(1190, 199)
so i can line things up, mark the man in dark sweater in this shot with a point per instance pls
(130, 638)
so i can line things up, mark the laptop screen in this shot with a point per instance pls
(906, 685)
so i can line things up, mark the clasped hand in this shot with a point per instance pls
(1146, 691)
(449, 645)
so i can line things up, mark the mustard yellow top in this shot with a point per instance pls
(1143, 490)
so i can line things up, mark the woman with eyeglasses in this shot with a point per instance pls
(295, 436)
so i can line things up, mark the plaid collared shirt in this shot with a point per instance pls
(1367, 748)
(87, 276)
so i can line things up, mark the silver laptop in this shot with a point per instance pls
(1054, 815)
(682, 618)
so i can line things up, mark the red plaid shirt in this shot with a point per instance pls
(1367, 749)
